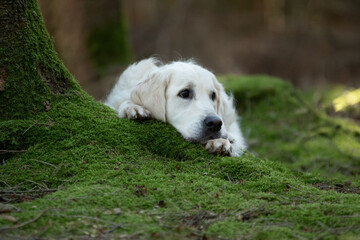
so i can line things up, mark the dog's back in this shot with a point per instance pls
(128, 80)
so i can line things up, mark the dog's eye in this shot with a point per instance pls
(185, 93)
(213, 96)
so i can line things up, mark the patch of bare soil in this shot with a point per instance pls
(14, 196)
(339, 187)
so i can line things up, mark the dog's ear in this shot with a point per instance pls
(225, 104)
(151, 94)
(220, 96)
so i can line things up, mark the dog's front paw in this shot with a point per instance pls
(133, 111)
(219, 146)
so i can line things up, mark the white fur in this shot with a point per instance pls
(147, 90)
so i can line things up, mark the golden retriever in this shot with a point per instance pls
(185, 95)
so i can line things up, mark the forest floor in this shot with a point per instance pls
(77, 171)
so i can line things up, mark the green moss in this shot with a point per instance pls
(348, 145)
(143, 179)
(283, 127)
(70, 168)
(29, 61)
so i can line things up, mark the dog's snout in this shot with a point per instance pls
(213, 123)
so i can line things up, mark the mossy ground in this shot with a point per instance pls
(282, 125)
(112, 177)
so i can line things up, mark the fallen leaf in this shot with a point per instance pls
(9, 218)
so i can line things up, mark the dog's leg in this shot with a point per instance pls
(236, 139)
(220, 146)
(233, 146)
(131, 110)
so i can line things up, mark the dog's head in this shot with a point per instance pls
(188, 97)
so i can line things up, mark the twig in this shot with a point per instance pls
(12, 151)
(29, 191)
(41, 185)
(8, 207)
(289, 186)
(113, 224)
(106, 165)
(113, 228)
(29, 127)
(6, 183)
(299, 237)
(350, 216)
(87, 217)
(66, 181)
(39, 124)
(26, 222)
(227, 174)
(52, 165)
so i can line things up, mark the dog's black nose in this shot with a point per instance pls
(213, 123)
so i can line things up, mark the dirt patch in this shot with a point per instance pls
(251, 214)
(199, 218)
(140, 191)
(339, 187)
(202, 219)
(57, 86)
(2, 79)
(23, 196)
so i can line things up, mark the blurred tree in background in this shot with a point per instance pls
(90, 36)
(308, 42)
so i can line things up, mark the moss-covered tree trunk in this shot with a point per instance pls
(90, 37)
(31, 74)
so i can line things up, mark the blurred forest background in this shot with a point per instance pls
(308, 42)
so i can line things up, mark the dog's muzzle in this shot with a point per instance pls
(212, 124)
(210, 129)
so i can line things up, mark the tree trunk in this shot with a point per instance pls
(31, 74)
(91, 37)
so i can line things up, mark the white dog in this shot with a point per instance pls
(183, 94)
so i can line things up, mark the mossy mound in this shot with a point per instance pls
(78, 171)
(282, 126)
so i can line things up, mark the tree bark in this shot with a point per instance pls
(31, 74)
(90, 36)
